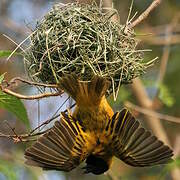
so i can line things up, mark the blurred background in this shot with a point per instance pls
(154, 98)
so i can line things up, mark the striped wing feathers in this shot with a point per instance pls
(135, 145)
(64, 147)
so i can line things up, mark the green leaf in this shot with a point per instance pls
(7, 53)
(15, 106)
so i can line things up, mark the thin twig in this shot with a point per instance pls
(27, 137)
(44, 123)
(13, 41)
(32, 83)
(152, 113)
(16, 137)
(160, 40)
(49, 120)
(24, 137)
(19, 46)
(145, 14)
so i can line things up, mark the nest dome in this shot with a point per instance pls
(82, 39)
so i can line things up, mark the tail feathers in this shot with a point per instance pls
(85, 93)
(70, 85)
(133, 144)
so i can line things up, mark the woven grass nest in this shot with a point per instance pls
(82, 39)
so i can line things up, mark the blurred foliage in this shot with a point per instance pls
(12, 170)
(171, 79)
(165, 95)
(160, 89)
(8, 170)
(167, 91)
(13, 105)
(169, 167)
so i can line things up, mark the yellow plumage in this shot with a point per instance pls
(95, 133)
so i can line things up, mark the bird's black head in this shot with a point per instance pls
(95, 165)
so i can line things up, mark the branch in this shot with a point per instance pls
(33, 97)
(159, 29)
(145, 14)
(152, 113)
(145, 102)
(6, 85)
(23, 137)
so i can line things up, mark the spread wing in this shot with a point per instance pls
(63, 147)
(133, 144)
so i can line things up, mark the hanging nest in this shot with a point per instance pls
(82, 39)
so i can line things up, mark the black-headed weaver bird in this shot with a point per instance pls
(95, 134)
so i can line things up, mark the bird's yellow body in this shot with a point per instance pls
(94, 116)
(94, 133)
(93, 112)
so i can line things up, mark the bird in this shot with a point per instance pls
(93, 133)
